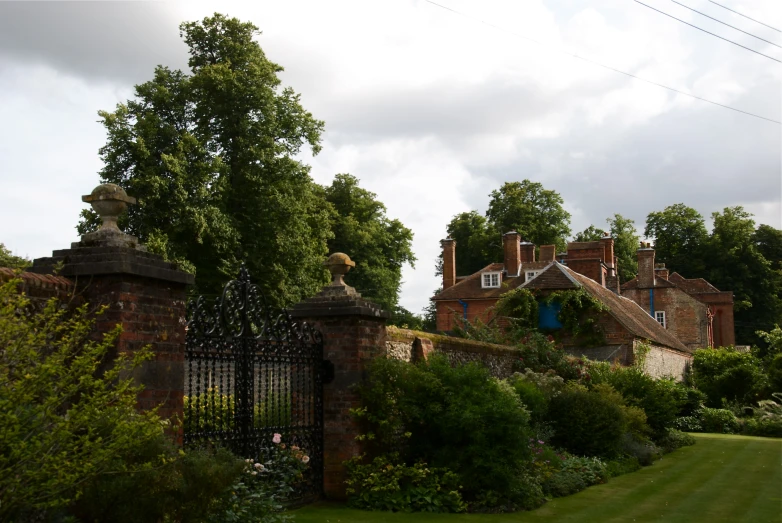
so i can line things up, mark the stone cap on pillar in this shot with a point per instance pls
(109, 250)
(338, 298)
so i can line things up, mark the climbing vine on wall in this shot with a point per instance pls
(521, 305)
(578, 315)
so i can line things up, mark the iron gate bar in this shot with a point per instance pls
(252, 372)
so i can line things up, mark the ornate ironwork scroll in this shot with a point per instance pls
(250, 373)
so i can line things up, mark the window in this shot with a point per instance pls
(531, 274)
(660, 317)
(490, 279)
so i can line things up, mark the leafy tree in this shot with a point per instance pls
(477, 243)
(590, 234)
(211, 157)
(735, 263)
(405, 319)
(626, 241)
(768, 242)
(725, 373)
(531, 210)
(7, 259)
(680, 233)
(378, 245)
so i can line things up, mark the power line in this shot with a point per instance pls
(705, 31)
(600, 64)
(723, 23)
(745, 16)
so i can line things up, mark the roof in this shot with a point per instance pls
(469, 288)
(693, 285)
(658, 283)
(628, 313)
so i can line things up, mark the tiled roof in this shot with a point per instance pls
(692, 285)
(628, 313)
(470, 288)
(658, 283)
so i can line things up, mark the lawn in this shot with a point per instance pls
(723, 478)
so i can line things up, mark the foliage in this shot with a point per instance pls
(623, 465)
(536, 213)
(211, 157)
(586, 423)
(772, 346)
(626, 242)
(768, 241)
(405, 319)
(380, 246)
(8, 259)
(458, 418)
(521, 305)
(477, 243)
(675, 439)
(634, 417)
(531, 397)
(63, 422)
(688, 423)
(578, 315)
(575, 474)
(718, 420)
(695, 400)
(679, 234)
(774, 372)
(727, 373)
(212, 410)
(590, 234)
(387, 484)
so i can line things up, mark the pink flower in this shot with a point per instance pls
(277, 438)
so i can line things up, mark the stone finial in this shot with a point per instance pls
(109, 201)
(338, 265)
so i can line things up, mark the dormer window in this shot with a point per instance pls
(490, 280)
(530, 274)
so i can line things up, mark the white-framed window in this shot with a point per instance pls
(490, 279)
(530, 274)
(660, 317)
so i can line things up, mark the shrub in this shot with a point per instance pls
(721, 421)
(725, 373)
(63, 422)
(675, 439)
(688, 424)
(576, 474)
(458, 418)
(387, 484)
(770, 428)
(531, 396)
(695, 400)
(623, 465)
(586, 423)
(645, 451)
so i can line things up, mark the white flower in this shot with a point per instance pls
(305, 459)
(258, 466)
(248, 460)
(255, 473)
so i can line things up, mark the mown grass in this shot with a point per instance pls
(723, 478)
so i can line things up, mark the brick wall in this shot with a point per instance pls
(450, 313)
(685, 316)
(40, 286)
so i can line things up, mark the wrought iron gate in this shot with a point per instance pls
(251, 373)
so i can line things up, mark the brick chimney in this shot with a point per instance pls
(608, 249)
(645, 266)
(512, 252)
(660, 271)
(527, 252)
(548, 252)
(449, 262)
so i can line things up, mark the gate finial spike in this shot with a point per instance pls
(338, 265)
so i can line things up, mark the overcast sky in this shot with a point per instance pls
(430, 109)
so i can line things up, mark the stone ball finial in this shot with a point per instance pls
(109, 201)
(338, 265)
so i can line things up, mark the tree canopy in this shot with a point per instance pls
(679, 232)
(211, 157)
(626, 242)
(8, 259)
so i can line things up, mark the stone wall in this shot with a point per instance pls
(497, 358)
(660, 362)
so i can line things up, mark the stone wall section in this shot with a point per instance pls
(661, 362)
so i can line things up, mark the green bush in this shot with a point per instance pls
(586, 423)
(458, 418)
(695, 400)
(576, 474)
(387, 484)
(531, 396)
(721, 421)
(675, 439)
(688, 424)
(623, 465)
(767, 427)
(63, 423)
(725, 373)
(645, 451)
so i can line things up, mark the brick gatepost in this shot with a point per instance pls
(142, 293)
(354, 333)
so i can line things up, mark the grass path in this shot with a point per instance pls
(721, 479)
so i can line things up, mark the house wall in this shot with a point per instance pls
(722, 305)
(450, 313)
(685, 316)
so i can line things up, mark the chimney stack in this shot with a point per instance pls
(449, 262)
(645, 266)
(512, 250)
(548, 252)
(608, 250)
(527, 252)
(661, 271)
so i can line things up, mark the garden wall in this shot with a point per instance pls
(497, 358)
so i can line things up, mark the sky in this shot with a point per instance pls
(431, 107)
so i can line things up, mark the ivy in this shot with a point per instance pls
(578, 315)
(521, 305)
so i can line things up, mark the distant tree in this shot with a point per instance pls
(405, 319)
(380, 246)
(477, 243)
(531, 210)
(679, 234)
(768, 242)
(9, 260)
(590, 234)
(212, 158)
(626, 242)
(735, 263)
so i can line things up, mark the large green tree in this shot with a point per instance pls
(477, 243)
(380, 246)
(531, 210)
(768, 241)
(211, 157)
(679, 234)
(626, 242)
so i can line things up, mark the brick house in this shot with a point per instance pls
(695, 311)
(587, 265)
